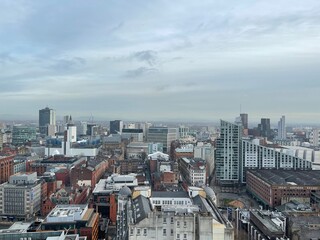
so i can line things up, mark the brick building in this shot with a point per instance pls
(88, 174)
(6, 168)
(276, 187)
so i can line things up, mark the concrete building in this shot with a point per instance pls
(183, 151)
(47, 117)
(76, 218)
(276, 187)
(244, 120)
(177, 215)
(20, 197)
(314, 137)
(282, 132)
(228, 154)
(134, 134)
(265, 128)
(162, 135)
(116, 126)
(260, 225)
(6, 168)
(183, 131)
(23, 134)
(193, 171)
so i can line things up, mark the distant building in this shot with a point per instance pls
(20, 197)
(314, 137)
(116, 126)
(134, 134)
(23, 134)
(265, 128)
(162, 135)
(47, 117)
(244, 120)
(282, 133)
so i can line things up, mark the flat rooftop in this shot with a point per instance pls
(289, 177)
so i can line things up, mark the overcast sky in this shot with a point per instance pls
(149, 60)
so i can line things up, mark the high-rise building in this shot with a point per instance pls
(244, 120)
(116, 126)
(47, 116)
(228, 153)
(162, 135)
(265, 128)
(314, 137)
(282, 133)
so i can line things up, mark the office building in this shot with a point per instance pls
(265, 128)
(133, 134)
(244, 120)
(47, 116)
(228, 154)
(116, 126)
(282, 133)
(23, 134)
(314, 137)
(20, 197)
(162, 135)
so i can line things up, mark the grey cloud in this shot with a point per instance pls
(141, 71)
(68, 64)
(6, 57)
(148, 56)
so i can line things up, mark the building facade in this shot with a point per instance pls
(23, 134)
(162, 135)
(282, 133)
(6, 168)
(116, 126)
(20, 197)
(193, 171)
(228, 148)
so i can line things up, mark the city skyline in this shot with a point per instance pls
(161, 60)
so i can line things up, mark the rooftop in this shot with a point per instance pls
(289, 177)
(179, 194)
(68, 213)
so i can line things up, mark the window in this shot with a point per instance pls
(171, 232)
(178, 224)
(138, 231)
(164, 232)
(178, 236)
(171, 221)
(185, 224)
(185, 236)
(164, 220)
(145, 232)
(131, 231)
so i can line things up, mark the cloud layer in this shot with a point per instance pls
(161, 59)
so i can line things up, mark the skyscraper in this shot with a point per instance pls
(244, 120)
(228, 154)
(265, 128)
(116, 126)
(282, 133)
(47, 117)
